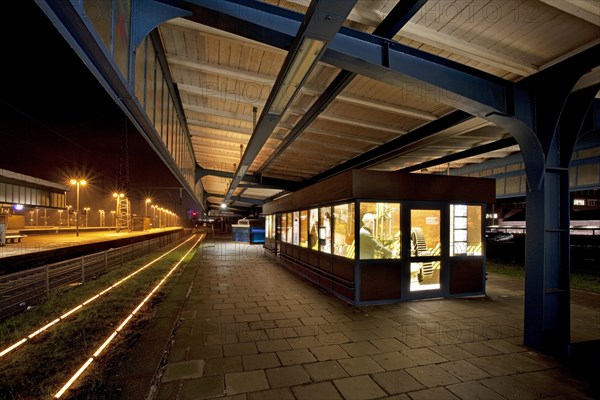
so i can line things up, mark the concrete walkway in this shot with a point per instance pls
(237, 326)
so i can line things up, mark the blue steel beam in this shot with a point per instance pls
(389, 27)
(68, 17)
(322, 21)
(254, 180)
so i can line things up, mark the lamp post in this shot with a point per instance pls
(69, 216)
(113, 217)
(87, 212)
(102, 218)
(153, 216)
(148, 201)
(77, 183)
(60, 217)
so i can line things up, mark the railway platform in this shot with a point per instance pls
(38, 247)
(238, 326)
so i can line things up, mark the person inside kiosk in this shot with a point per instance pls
(368, 243)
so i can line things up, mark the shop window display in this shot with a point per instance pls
(284, 227)
(380, 230)
(289, 228)
(343, 230)
(313, 232)
(296, 228)
(425, 242)
(269, 227)
(304, 228)
(465, 230)
(325, 229)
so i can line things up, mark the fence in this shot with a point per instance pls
(24, 288)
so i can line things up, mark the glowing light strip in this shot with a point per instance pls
(74, 377)
(75, 309)
(114, 334)
(14, 346)
(42, 329)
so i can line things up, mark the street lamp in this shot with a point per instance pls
(87, 212)
(60, 217)
(69, 216)
(113, 217)
(148, 201)
(102, 218)
(77, 183)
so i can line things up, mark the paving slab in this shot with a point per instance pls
(474, 391)
(395, 382)
(242, 382)
(316, 391)
(432, 375)
(358, 388)
(325, 370)
(438, 393)
(183, 370)
(360, 366)
(287, 376)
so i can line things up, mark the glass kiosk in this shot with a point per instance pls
(379, 237)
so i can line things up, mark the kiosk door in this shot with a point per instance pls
(425, 254)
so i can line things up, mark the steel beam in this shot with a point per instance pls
(273, 183)
(389, 27)
(322, 21)
(69, 20)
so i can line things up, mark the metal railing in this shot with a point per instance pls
(22, 289)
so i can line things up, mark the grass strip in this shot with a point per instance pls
(39, 369)
(579, 281)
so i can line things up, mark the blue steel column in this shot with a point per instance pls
(546, 125)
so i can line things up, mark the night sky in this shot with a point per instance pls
(58, 122)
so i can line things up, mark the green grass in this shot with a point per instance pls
(41, 366)
(579, 281)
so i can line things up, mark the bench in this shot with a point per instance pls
(14, 238)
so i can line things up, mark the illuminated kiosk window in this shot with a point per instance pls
(371, 237)
(289, 228)
(465, 230)
(379, 230)
(296, 230)
(325, 229)
(313, 232)
(268, 226)
(425, 235)
(284, 227)
(343, 230)
(304, 228)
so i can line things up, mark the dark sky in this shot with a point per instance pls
(57, 121)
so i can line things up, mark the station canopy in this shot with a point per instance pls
(229, 62)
